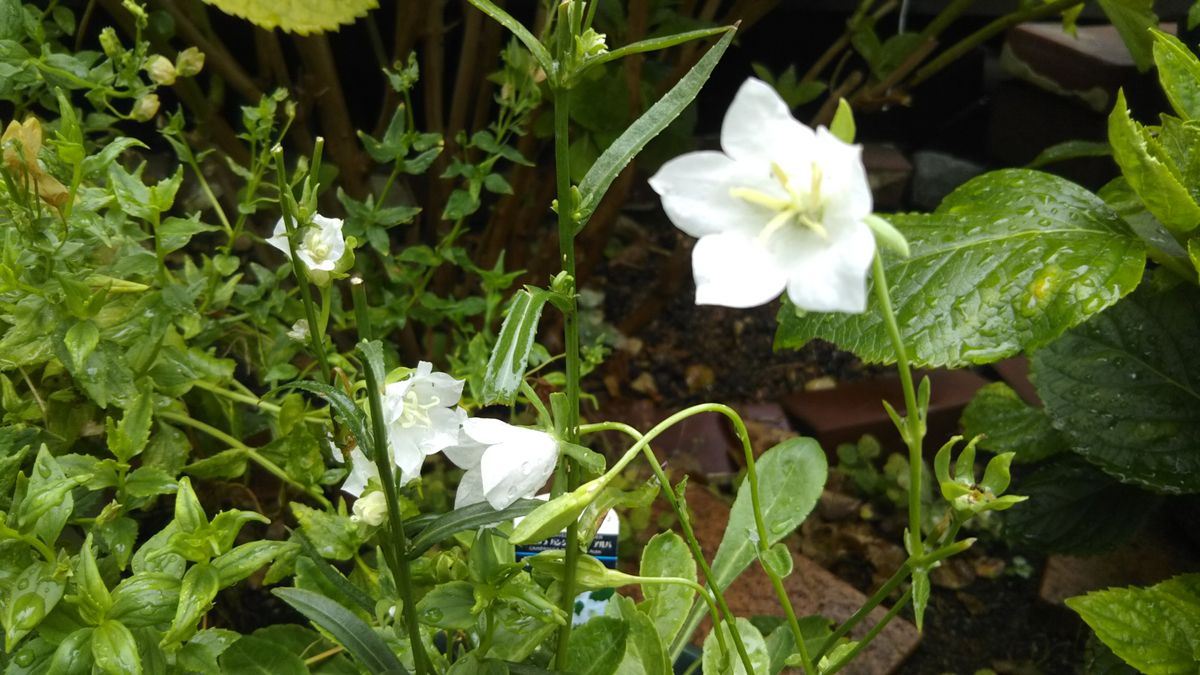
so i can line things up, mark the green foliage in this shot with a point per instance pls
(1008, 261)
(756, 649)
(1155, 629)
(1006, 424)
(297, 16)
(667, 555)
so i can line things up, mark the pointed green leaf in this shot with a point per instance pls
(842, 126)
(349, 413)
(1009, 261)
(667, 555)
(654, 44)
(470, 517)
(1179, 73)
(115, 650)
(297, 16)
(506, 366)
(1133, 19)
(617, 156)
(352, 632)
(522, 33)
(1155, 629)
(756, 649)
(1122, 388)
(1144, 163)
(920, 595)
(259, 656)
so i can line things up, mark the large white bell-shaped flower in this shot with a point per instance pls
(504, 463)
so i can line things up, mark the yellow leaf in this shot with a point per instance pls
(297, 16)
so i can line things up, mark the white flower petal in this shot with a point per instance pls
(735, 271)
(278, 239)
(406, 453)
(443, 430)
(470, 489)
(436, 388)
(832, 278)
(465, 454)
(517, 469)
(845, 190)
(488, 431)
(362, 470)
(758, 127)
(695, 190)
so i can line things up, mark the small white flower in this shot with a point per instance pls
(504, 463)
(299, 331)
(160, 69)
(371, 509)
(783, 207)
(422, 417)
(320, 244)
(362, 471)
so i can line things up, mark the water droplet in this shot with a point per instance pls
(24, 658)
(22, 584)
(433, 615)
(779, 528)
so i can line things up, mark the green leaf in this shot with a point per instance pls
(333, 534)
(597, 647)
(1010, 260)
(74, 654)
(1122, 389)
(667, 555)
(653, 45)
(1067, 150)
(535, 47)
(225, 464)
(115, 650)
(333, 577)
(645, 653)
(149, 481)
(145, 599)
(1179, 74)
(175, 233)
(448, 606)
(470, 517)
(617, 156)
(920, 596)
(756, 649)
(1155, 629)
(1008, 424)
(791, 476)
(80, 341)
(1075, 508)
(506, 366)
(842, 127)
(297, 16)
(349, 413)
(781, 644)
(196, 593)
(246, 559)
(32, 595)
(1144, 163)
(352, 632)
(253, 656)
(200, 653)
(1133, 19)
(127, 438)
(48, 502)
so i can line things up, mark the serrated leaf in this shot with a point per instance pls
(352, 632)
(1122, 389)
(1155, 629)
(1010, 260)
(1144, 164)
(127, 438)
(506, 366)
(297, 16)
(667, 555)
(1074, 508)
(756, 649)
(597, 647)
(1179, 74)
(620, 152)
(1008, 424)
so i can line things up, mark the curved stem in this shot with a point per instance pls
(251, 454)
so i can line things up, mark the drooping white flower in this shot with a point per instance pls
(504, 463)
(422, 417)
(320, 245)
(782, 207)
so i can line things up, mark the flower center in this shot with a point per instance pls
(413, 413)
(804, 209)
(317, 247)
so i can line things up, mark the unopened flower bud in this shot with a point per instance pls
(146, 108)
(189, 63)
(110, 43)
(370, 509)
(590, 43)
(160, 69)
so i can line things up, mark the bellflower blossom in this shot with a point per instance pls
(782, 207)
(504, 463)
(320, 246)
(422, 417)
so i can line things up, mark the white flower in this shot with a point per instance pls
(299, 331)
(320, 244)
(422, 417)
(371, 509)
(362, 471)
(503, 462)
(781, 208)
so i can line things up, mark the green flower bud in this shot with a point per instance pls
(110, 43)
(189, 63)
(145, 109)
(160, 69)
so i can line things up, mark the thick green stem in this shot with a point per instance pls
(251, 454)
(398, 558)
(915, 431)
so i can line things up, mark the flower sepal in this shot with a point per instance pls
(966, 496)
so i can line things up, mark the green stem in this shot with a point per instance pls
(871, 635)
(398, 558)
(995, 27)
(250, 399)
(286, 206)
(251, 454)
(46, 552)
(642, 444)
(914, 434)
